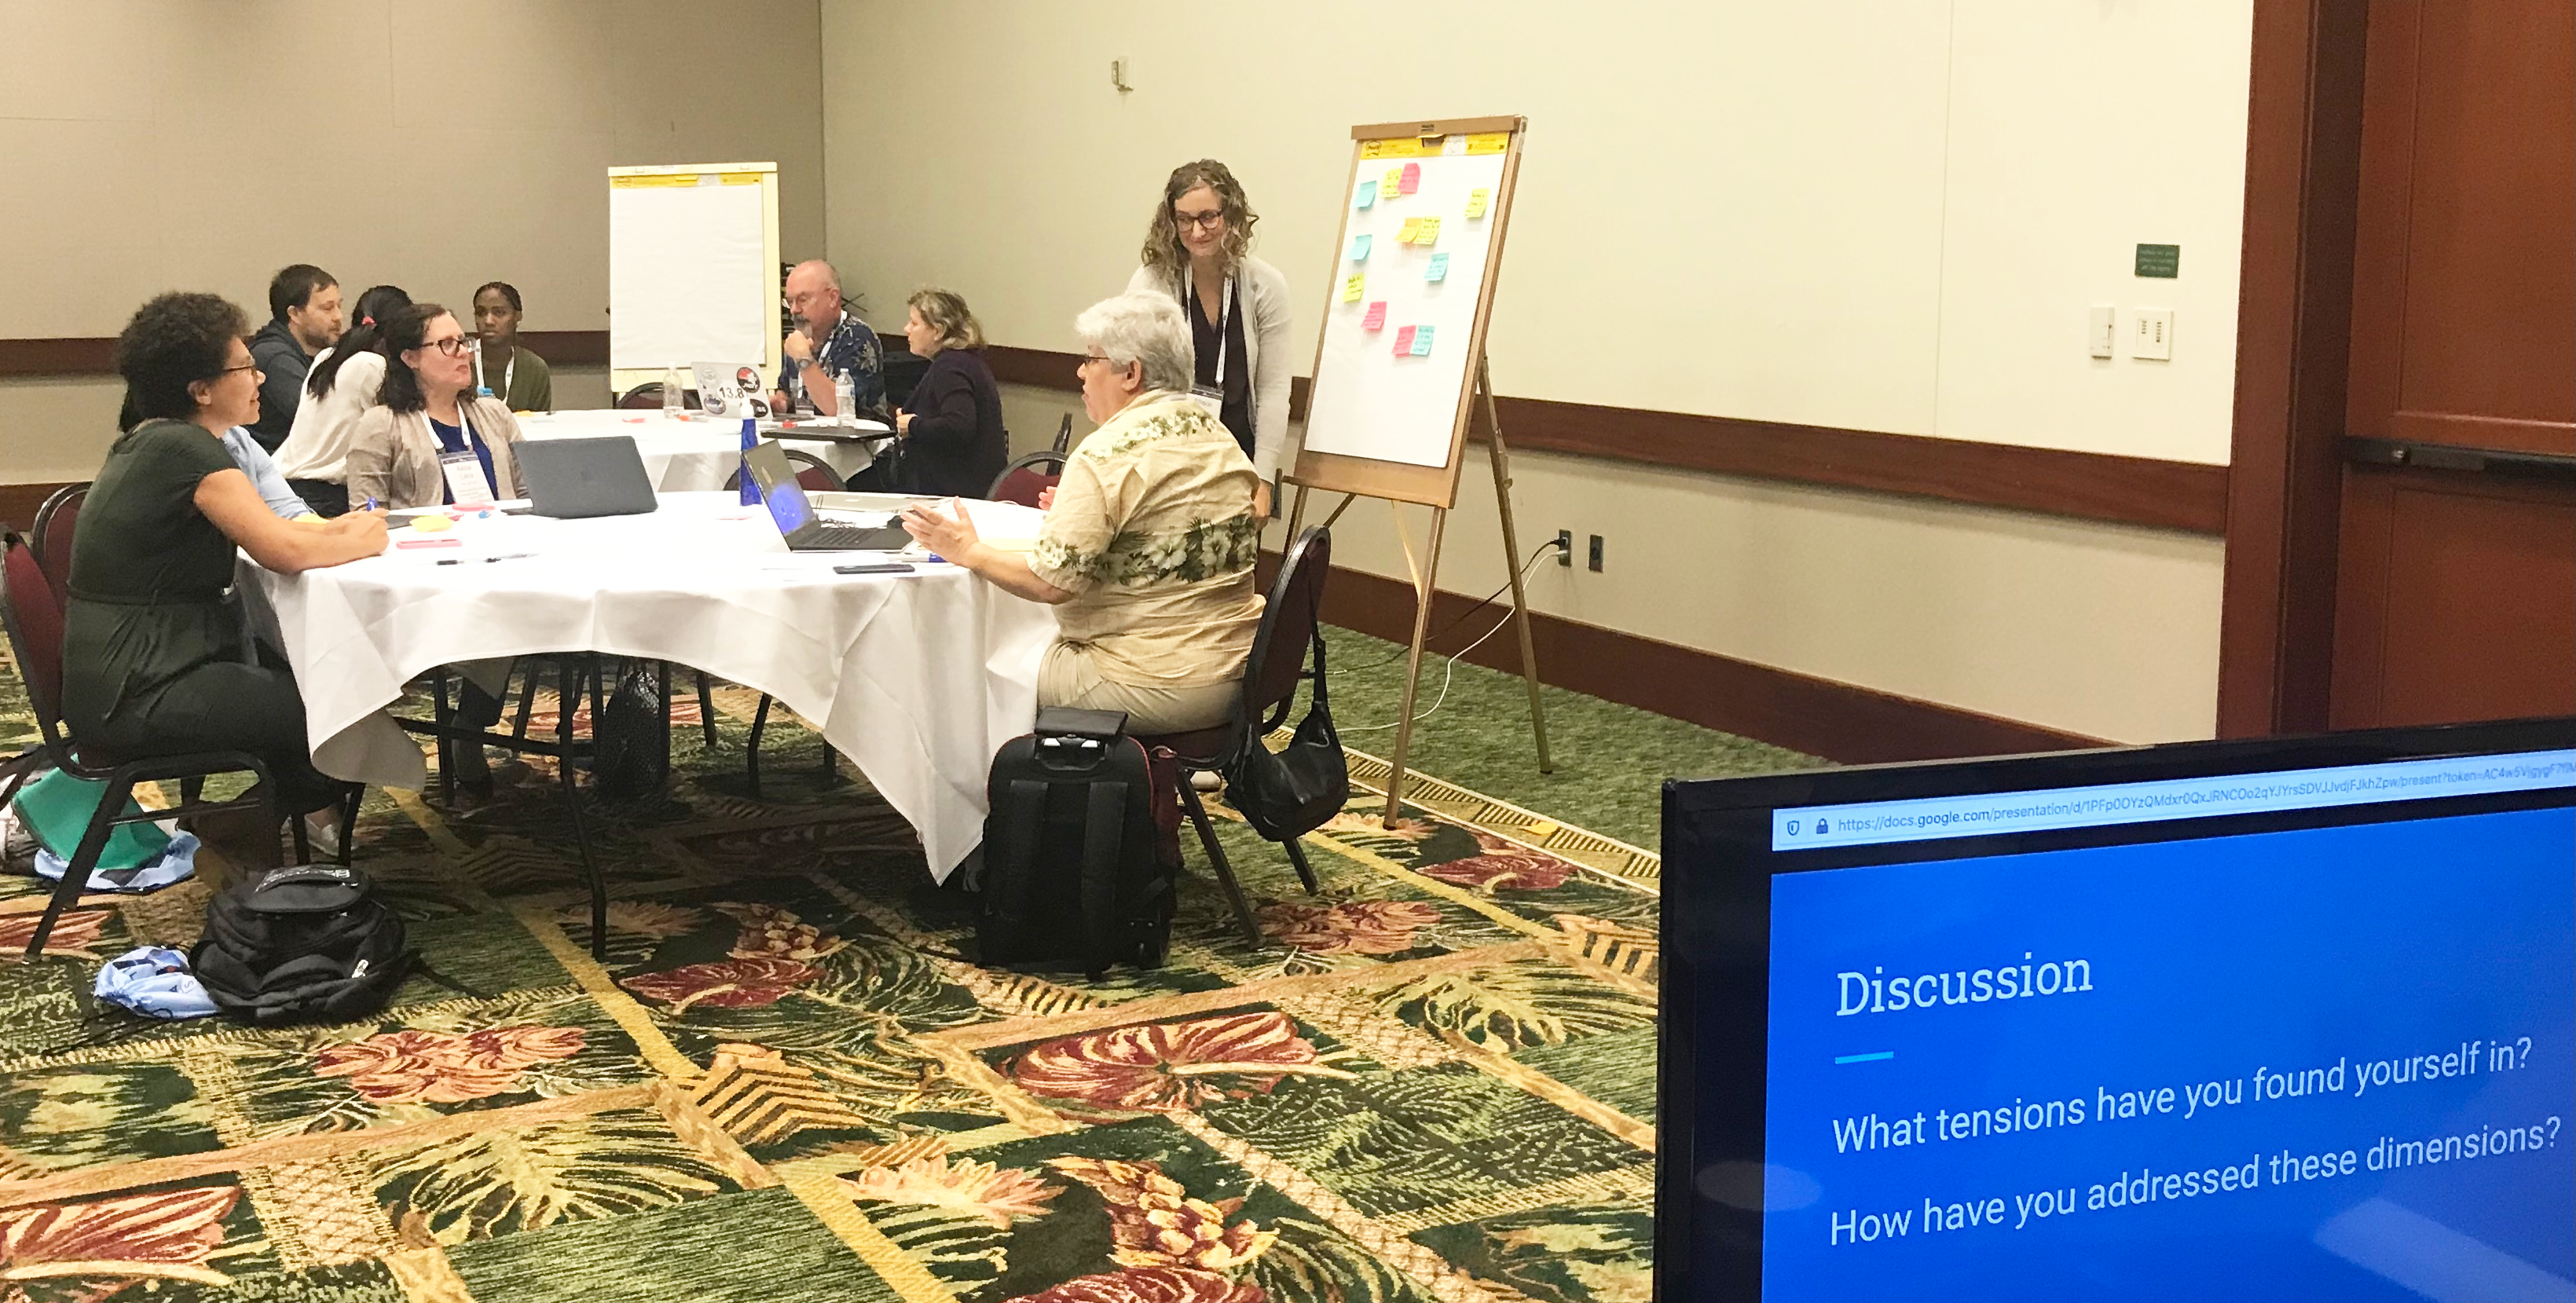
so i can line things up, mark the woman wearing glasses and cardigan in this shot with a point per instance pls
(428, 436)
(1198, 251)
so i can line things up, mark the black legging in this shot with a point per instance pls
(227, 706)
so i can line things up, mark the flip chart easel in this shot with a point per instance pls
(1400, 362)
(692, 268)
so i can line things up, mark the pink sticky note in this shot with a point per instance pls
(1412, 179)
(1404, 342)
(1376, 318)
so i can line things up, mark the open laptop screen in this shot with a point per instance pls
(2266, 1020)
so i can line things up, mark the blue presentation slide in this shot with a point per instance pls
(2323, 1064)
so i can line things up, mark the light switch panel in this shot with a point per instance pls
(2099, 333)
(2151, 334)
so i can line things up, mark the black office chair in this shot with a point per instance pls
(1271, 674)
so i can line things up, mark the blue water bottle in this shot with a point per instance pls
(750, 440)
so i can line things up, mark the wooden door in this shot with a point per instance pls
(2455, 595)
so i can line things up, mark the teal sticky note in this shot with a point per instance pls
(1368, 193)
(1422, 341)
(1360, 248)
(1439, 268)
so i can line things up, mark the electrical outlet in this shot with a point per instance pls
(1565, 548)
(1596, 554)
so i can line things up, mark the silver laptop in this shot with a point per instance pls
(804, 528)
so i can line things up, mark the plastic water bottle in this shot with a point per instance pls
(671, 386)
(750, 486)
(845, 397)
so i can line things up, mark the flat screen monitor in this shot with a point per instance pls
(2281, 1019)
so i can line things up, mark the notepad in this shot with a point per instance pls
(1368, 196)
(1412, 178)
(1359, 248)
(1439, 268)
(1351, 286)
(1422, 341)
(1404, 341)
(1428, 233)
(1475, 201)
(1376, 318)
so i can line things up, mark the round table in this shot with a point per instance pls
(918, 678)
(689, 453)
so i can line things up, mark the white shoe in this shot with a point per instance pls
(324, 838)
(1206, 780)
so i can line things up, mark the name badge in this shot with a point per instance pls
(1210, 400)
(465, 480)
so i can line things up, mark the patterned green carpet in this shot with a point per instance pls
(1434, 1080)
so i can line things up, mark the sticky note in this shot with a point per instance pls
(1412, 178)
(1404, 341)
(1411, 225)
(1439, 268)
(1351, 288)
(1376, 318)
(1475, 201)
(1428, 233)
(1359, 248)
(1368, 196)
(1391, 187)
(1422, 341)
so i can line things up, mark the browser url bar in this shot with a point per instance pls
(1873, 823)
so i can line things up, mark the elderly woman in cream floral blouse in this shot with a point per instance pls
(1149, 544)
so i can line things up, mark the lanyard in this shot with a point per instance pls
(507, 374)
(464, 426)
(1223, 315)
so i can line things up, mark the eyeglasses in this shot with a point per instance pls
(454, 345)
(1090, 358)
(1207, 221)
(246, 366)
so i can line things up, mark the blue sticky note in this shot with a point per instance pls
(1368, 193)
(1360, 248)
(1422, 341)
(1439, 268)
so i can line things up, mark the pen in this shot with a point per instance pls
(371, 503)
(505, 556)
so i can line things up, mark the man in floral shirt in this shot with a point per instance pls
(829, 341)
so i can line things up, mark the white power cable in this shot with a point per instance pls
(1446, 675)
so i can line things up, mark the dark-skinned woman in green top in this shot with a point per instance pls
(506, 369)
(154, 661)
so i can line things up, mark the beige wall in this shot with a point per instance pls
(1887, 215)
(162, 144)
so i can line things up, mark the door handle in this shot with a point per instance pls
(2452, 457)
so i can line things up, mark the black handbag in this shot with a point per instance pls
(1289, 793)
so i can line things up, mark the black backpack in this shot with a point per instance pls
(308, 944)
(1071, 864)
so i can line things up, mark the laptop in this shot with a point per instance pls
(804, 528)
(572, 479)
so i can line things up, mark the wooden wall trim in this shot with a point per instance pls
(97, 356)
(18, 503)
(1839, 721)
(2175, 495)
(2294, 324)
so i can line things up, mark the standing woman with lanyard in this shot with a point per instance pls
(1198, 250)
(505, 369)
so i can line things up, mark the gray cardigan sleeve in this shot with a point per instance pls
(1273, 360)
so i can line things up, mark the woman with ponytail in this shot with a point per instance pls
(340, 388)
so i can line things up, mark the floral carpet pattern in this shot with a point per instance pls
(1433, 1080)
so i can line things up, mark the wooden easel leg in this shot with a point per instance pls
(1512, 562)
(1422, 591)
(1296, 517)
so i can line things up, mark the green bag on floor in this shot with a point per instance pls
(57, 808)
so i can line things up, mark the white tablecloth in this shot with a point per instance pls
(917, 678)
(683, 454)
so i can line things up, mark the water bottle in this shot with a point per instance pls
(845, 397)
(671, 385)
(750, 486)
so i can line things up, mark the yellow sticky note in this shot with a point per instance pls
(1428, 232)
(1351, 287)
(1542, 828)
(1394, 181)
(1411, 226)
(1476, 202)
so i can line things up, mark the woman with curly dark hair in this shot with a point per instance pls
(1198, 249)
(153, 654)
